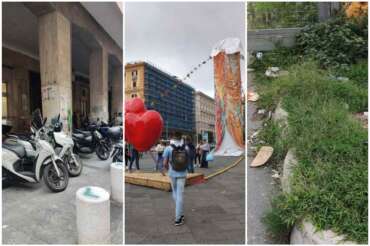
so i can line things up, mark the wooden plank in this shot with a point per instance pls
(158, 181)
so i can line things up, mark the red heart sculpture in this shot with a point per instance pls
(142, 128)
(135, 105)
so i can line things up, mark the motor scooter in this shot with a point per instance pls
(63, 146)
(86, 142)
(32, 160)
(117, 154)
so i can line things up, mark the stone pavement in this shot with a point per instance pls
(261, 188)
(214, 211)
(34, 215)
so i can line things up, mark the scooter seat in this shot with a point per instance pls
(80, 136)
(85, 133)
(115, 132)
(15, 147)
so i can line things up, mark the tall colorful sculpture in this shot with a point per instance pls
(228, 98)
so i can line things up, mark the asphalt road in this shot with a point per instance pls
(34, 215)
(261, 187)
(214, 211)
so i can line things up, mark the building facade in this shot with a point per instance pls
(204, 117)
(162, 92)
(64, 58)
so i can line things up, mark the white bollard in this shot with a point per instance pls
(93, 215)
(116, 174)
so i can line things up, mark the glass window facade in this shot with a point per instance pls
(173, 99)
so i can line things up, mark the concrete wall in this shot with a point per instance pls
(268, 39)
(78, 15)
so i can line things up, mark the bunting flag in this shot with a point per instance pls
(187, 76)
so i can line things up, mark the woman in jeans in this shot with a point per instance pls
(205, 150)
(159, 163)
(198, 153)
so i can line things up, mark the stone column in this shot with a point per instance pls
(99, 85)
(55, 67)
(117, 90)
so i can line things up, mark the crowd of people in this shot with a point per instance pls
(197, 154)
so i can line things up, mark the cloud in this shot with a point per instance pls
(176, 36)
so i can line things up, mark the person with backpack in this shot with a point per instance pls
(176, 160)
(191, 152)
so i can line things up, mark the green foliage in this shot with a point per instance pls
(271, 135)
(358, 73)
(336, 42)
(281, 57)
(262, 15)
(329, 185)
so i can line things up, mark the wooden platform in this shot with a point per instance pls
(158, 181)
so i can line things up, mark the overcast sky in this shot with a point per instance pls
(179, 35)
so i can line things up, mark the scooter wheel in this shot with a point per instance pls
(74, 169)
(51, 179)
(102, 152)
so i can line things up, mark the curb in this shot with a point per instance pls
(222, 170)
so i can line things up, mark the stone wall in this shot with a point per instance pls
(268, 39)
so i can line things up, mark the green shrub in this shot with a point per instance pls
(280, 57)
(357, 73)
(333, 43)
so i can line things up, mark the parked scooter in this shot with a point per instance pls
(117, 154)
(63, 145)
(86, 142)
(32, 160)
(111, 134)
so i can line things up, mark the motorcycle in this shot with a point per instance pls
(86, 142)
(32, 160)
(63, 145)
(111, 134)
(117, 154)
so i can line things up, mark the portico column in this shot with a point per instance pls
(117, 90)
(55, 67)
(98, 85)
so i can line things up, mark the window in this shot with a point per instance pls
(5, 100)
(134, 78)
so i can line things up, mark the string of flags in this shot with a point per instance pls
(187, 76)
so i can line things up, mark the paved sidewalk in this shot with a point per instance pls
(215, 212)
(261, 188)
(34, 215)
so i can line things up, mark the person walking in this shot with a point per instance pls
(175, 160)
(134, 157)
(127, 154)
(205, 150)
(191, 153)
(198, 153)
(159, 162)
